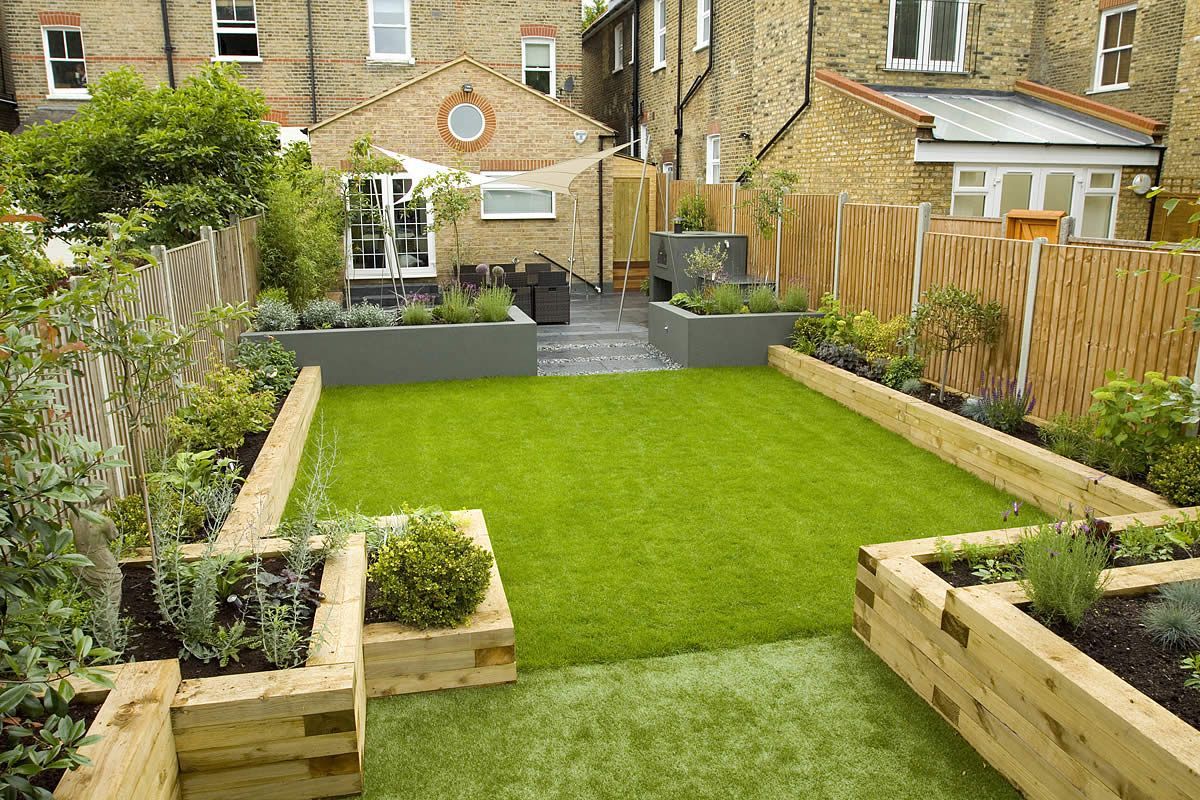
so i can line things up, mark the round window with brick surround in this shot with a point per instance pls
(466, 122)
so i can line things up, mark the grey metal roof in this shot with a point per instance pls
(1011, 118)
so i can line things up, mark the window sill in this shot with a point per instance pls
(618, 69)
(386, 59)
(69, 95)
(406, 274)
(700, 46)
(515, 217)
(237, 59)
(1118, 87)
(955, 70)
(658, 67)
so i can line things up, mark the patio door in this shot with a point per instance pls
(388, 233)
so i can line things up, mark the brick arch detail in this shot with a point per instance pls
(489, 121)
(547, 31)
(65, 18)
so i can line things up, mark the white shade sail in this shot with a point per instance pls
(419, 169)
(558, 177)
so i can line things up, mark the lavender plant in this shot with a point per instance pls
(1003, 405)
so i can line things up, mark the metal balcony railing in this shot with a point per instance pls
(933, 35)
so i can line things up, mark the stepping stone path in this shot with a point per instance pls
(592, 345)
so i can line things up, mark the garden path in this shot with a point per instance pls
(591, 343)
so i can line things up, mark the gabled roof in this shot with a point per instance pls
(442, 68)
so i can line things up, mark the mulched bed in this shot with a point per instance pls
(371, 612)
(247, 454)
(151, 638)
(961, 573)
(1112, 633)
(79, 711)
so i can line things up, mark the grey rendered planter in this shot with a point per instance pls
(415, 354)
(732, 340)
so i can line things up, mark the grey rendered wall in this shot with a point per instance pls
(731, 340)
(362, 356)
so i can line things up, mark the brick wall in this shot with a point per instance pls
(607, 95)
(1182, 166)
(524, 124)
(8, 110)
(130, 33)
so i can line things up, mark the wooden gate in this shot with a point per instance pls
(627, 175)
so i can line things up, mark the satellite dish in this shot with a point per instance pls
(569, 84)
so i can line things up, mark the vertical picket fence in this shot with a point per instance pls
(220, 269)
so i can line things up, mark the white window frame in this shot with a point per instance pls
(703, 18)
(643, 133)
(1101, 51)
(1082, 189)
(218, 29)
(618, 43)
(923, 62)
(482, 127)
(397, 58)
(53, 91)
(660, 35)
(527, 40)
(668, 170)
(712, 161)
(553, 214)
(388, 201)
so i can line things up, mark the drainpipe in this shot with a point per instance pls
(808, 60)
(637, 74)
(312, 63)
(678, 91)
(168, 48)
(1158, 177)
(600, 215)
(712, 45)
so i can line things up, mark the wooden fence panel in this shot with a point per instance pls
(967, 226)
(807, 244)
(1100, 309)
(878, 255)
(760, 250)
(999, 270)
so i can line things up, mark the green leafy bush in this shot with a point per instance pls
(300, 237)
(693, 212)
(275, 315)
(272, 366)
(416, 312)
(1061, 572)
(1176, 473)
(128, 514)
(455, 308)
(794, 299)
(689, 302)
(274, 294)
(1142, 543)
(430, 577)
(492, 304)
(807, 333)
(217, 414)
(725, 298)
(319, 315)
(197, 155)
(902, 369)
(368, 315)
(761, 300)
(1144, 418)
(1070, 437)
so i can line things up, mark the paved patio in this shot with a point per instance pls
(591, 344)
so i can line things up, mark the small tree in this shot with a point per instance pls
(767, 203)
(949, 320)
(592, 11)
(448, 194)
(1189, 244)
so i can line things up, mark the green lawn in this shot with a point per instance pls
(811, 719)
(649, 514)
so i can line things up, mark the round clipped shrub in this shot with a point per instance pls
(369, 315)
(1176, 473)
(275, 315)
(320, 314)
(431, 577)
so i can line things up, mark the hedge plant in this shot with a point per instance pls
(1176, 474)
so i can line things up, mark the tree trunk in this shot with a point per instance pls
(945, 376)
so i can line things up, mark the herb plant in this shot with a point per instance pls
(367, 315)
(1191, 665)
(725, 298)
(1004, 405)
(795, 298)
(1062, 572)
(416, 312)
(275, 315)
(320, 314)
(707, 263)
(761, 300)
(492, 304)
(456, 307)
(945, 553)
(1143, 544)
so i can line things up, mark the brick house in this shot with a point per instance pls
(466, 114)
(311, 59)
(976, 107)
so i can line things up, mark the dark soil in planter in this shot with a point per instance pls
(151, 638)
(79, 711)
(1112, 633)
(371, 611)
(961, 574)
(247, 454)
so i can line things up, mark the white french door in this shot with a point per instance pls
(1087, 194)
(388, 234)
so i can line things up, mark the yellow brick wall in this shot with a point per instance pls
(130, 33)
(526, 126)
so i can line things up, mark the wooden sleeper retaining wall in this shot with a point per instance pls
(1034, 474)
(1049, 718)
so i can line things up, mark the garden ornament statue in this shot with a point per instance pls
(102, 580)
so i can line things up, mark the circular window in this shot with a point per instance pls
(466, 122)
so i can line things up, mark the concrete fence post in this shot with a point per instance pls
(1031, 285)
(924, 219)
(778, 248)
(842, 200)
(733, 208)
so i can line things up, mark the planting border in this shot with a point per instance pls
(264, 494)
(400, 659)
(294, 734)
(135, 756)
(1036, 475)
(1053, 721)
(718, 340)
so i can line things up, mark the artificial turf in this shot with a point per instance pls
(649, 514)
(812, 719)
